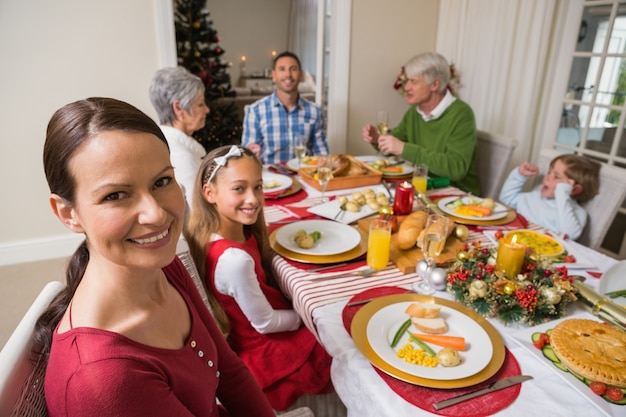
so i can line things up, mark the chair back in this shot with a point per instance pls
(494, 156)
(21, 379)
(182, 251)
(603, 207)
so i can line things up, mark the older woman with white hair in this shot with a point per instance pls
(438, 130)
(178, 98)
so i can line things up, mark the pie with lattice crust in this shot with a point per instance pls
(594, 350)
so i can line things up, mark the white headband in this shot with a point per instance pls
(221, 161)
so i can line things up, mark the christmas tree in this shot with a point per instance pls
(199, 52)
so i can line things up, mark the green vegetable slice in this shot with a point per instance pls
(422, 345)
(403, 328)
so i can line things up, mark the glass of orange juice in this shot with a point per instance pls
(378, 244)
(420, 178)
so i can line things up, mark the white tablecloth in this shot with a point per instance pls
(363, 391)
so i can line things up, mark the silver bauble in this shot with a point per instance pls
(438, 278)
(422, 269)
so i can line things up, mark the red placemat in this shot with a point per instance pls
(424, 397)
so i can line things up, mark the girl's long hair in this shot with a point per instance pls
(204, 222)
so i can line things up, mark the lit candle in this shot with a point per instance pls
(510, 257)
(403, 201)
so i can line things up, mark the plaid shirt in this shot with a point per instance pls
(268, 123)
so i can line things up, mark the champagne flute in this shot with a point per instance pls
(382, 122)
(324, 173)
(433, 242)
(299, 146)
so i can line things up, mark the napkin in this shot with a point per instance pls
(357, 263)
(424, 397)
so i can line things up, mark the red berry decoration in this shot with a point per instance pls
(499, 234)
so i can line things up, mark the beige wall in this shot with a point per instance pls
(57, 52)
(53, 53)
(252, 28)
(384, 37)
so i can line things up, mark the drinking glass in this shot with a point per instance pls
(382, 122)
(378, 244)
(433, 242)
(420, 178)
(324, 173)
(299, 147)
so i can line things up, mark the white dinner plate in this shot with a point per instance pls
(614, 279)
(384, 324)
(498, 212)
(332, 209)
(293, 165)
(282, 182)
(336, 238)
(407, 168)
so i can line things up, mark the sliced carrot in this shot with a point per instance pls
(393, 169)
(454, 342)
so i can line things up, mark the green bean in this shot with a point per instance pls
(615, 294)
(421, 344)
(403, 328)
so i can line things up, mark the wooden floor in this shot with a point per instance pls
(19, 286)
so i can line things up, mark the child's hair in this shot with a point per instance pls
(204, 221)
(583, 171)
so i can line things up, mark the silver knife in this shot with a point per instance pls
(503, 383)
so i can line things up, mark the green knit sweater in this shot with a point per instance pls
(447, 144)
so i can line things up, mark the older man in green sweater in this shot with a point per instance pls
(438, 130)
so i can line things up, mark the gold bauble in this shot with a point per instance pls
(462, 256)
(509, 288)
(461, 232)
(552, 295)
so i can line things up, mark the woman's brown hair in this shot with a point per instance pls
(204, 221)
(68, 130)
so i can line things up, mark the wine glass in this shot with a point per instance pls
(433, 242)
(299, 147)
(324, 173)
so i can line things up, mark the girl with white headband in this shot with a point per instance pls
(229, 243)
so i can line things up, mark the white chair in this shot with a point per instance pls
(494, 156)
(603, 207)
(21, 380)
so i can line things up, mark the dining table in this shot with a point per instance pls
(321, 301)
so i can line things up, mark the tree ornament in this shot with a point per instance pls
(196, 25)
(509, 288)
(438, 278)
(462, 255)
(552, 295)
(478, 289)
(461, 232)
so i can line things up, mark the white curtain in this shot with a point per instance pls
(502, 51)
(303, 32)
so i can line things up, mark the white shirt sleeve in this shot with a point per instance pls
(235, 276)
(571, 216)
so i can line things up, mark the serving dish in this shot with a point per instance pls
(614, 279)
(407, 168)
(359, 334)
(382, 327)
(332, 209)
(335, 238)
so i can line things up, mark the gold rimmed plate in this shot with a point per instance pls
(464, 378)
(349, 255)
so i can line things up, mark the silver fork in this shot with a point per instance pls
(362, 273)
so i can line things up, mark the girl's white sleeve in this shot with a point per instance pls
(235, 276)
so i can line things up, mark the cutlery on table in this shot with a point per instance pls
(324, 268)
(362, 273)
(498, 385)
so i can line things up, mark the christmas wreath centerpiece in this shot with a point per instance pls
(539, 293)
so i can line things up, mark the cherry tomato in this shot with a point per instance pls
(499, 234)
(598, 388)
(614, 394)
(542, 341)
(570, 258)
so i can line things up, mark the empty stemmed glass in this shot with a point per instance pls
(433, 242)
(324, 173)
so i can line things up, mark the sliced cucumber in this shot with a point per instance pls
(535, 336)
(548, 352)
(620, 402)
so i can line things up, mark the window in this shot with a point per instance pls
(594, 105)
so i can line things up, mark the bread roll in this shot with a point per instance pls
(423, 310)
(420, 238)
(410, 229)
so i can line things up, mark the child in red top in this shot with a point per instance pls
(228, 240)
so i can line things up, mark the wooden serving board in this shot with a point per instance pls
(405, 260)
